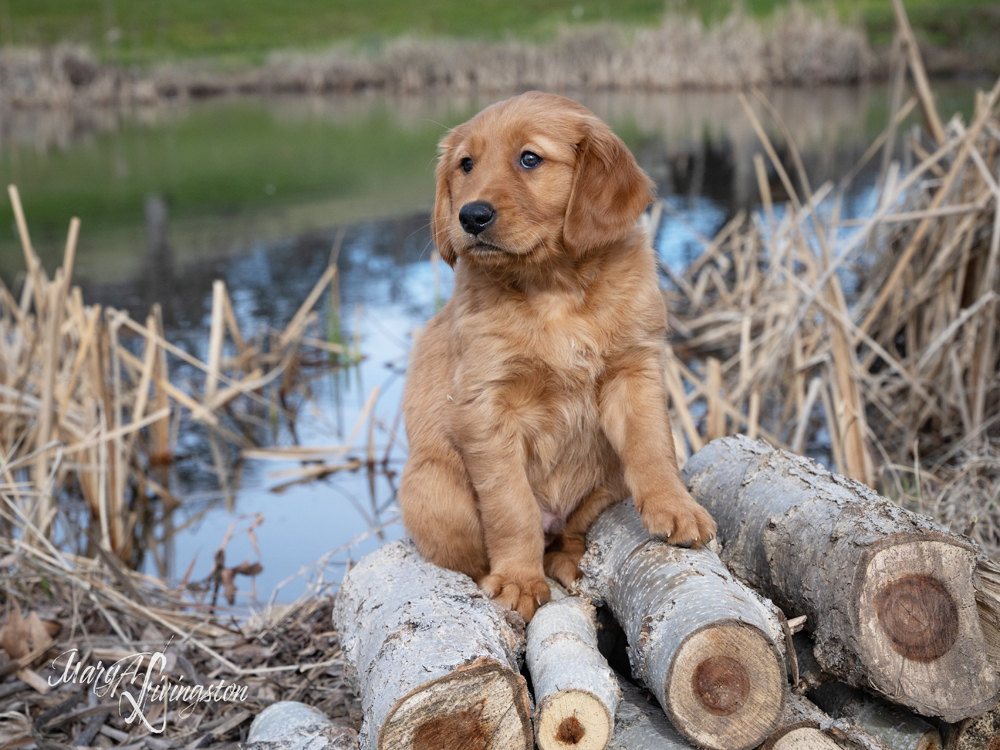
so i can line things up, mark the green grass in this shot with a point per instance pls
(235, 32)
(238, 30)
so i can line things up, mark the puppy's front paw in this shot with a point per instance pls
(678, 520)
(523, 593)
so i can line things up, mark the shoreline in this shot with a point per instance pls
(793, 48)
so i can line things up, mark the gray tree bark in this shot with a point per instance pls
(576, 692)
(705, 644)
(804, 726)
(888, 594)
(289, 725)
(434, 661)
(640, 723)
(896, 728)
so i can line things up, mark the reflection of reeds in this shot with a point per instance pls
(875, 339)
(87, 398)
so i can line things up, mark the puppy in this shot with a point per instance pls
(535, 397)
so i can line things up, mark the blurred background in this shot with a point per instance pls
(259, 142)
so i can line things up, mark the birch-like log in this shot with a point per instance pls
(434, 661)
(805, 727)
(979, 733)
(576, 692)
(640, 723)
(703, 643)
(895, 727)
(289, 725)
(888, 594)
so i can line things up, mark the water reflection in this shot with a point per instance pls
(154, 243)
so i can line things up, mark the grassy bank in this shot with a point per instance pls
(240, 32)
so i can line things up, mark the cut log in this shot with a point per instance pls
(979, 733)
(895, 728)
(988, 603)
(705, 644)
(434, 661)
(888, 594)
(640, 723)
(576, 693)
(805, 727)
(289, 725)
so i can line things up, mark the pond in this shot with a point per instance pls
(257, 192)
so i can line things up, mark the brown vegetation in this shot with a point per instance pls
(875, 339)
(794, 47)
(89, 406)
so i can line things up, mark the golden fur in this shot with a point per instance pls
(535, 398)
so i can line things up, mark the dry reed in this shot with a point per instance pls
(875, 340)
(87, 397)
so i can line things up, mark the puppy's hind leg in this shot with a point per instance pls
(439, 510)
(562, 557)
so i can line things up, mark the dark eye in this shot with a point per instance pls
(530, 160)
(467, 165)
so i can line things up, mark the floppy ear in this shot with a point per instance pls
(609, 191)
(442, 199)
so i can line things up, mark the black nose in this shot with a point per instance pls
(475, 217)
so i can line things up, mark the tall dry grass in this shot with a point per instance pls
(88, 403)
(875, 340)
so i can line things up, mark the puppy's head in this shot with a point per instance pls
(533, 177)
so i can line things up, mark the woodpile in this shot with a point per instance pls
(887, 600)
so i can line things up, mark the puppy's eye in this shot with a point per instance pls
(530, 160)
(467, 165)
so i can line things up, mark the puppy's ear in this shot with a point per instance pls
(609, 191)
(442, 198)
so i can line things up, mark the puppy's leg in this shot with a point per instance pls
(439, 511)
(634, 417)
(562, 558)
(512, 522)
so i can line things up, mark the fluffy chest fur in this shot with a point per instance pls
(537, 360)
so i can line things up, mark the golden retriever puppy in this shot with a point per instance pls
(535, 397)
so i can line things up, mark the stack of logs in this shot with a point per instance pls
(892, 654)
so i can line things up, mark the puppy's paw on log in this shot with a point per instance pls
(522, 593)
(677, 520)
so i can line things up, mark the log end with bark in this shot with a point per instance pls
(435, 663)
(575, 689)
(704, 643)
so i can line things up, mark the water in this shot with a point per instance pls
(258, 191)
